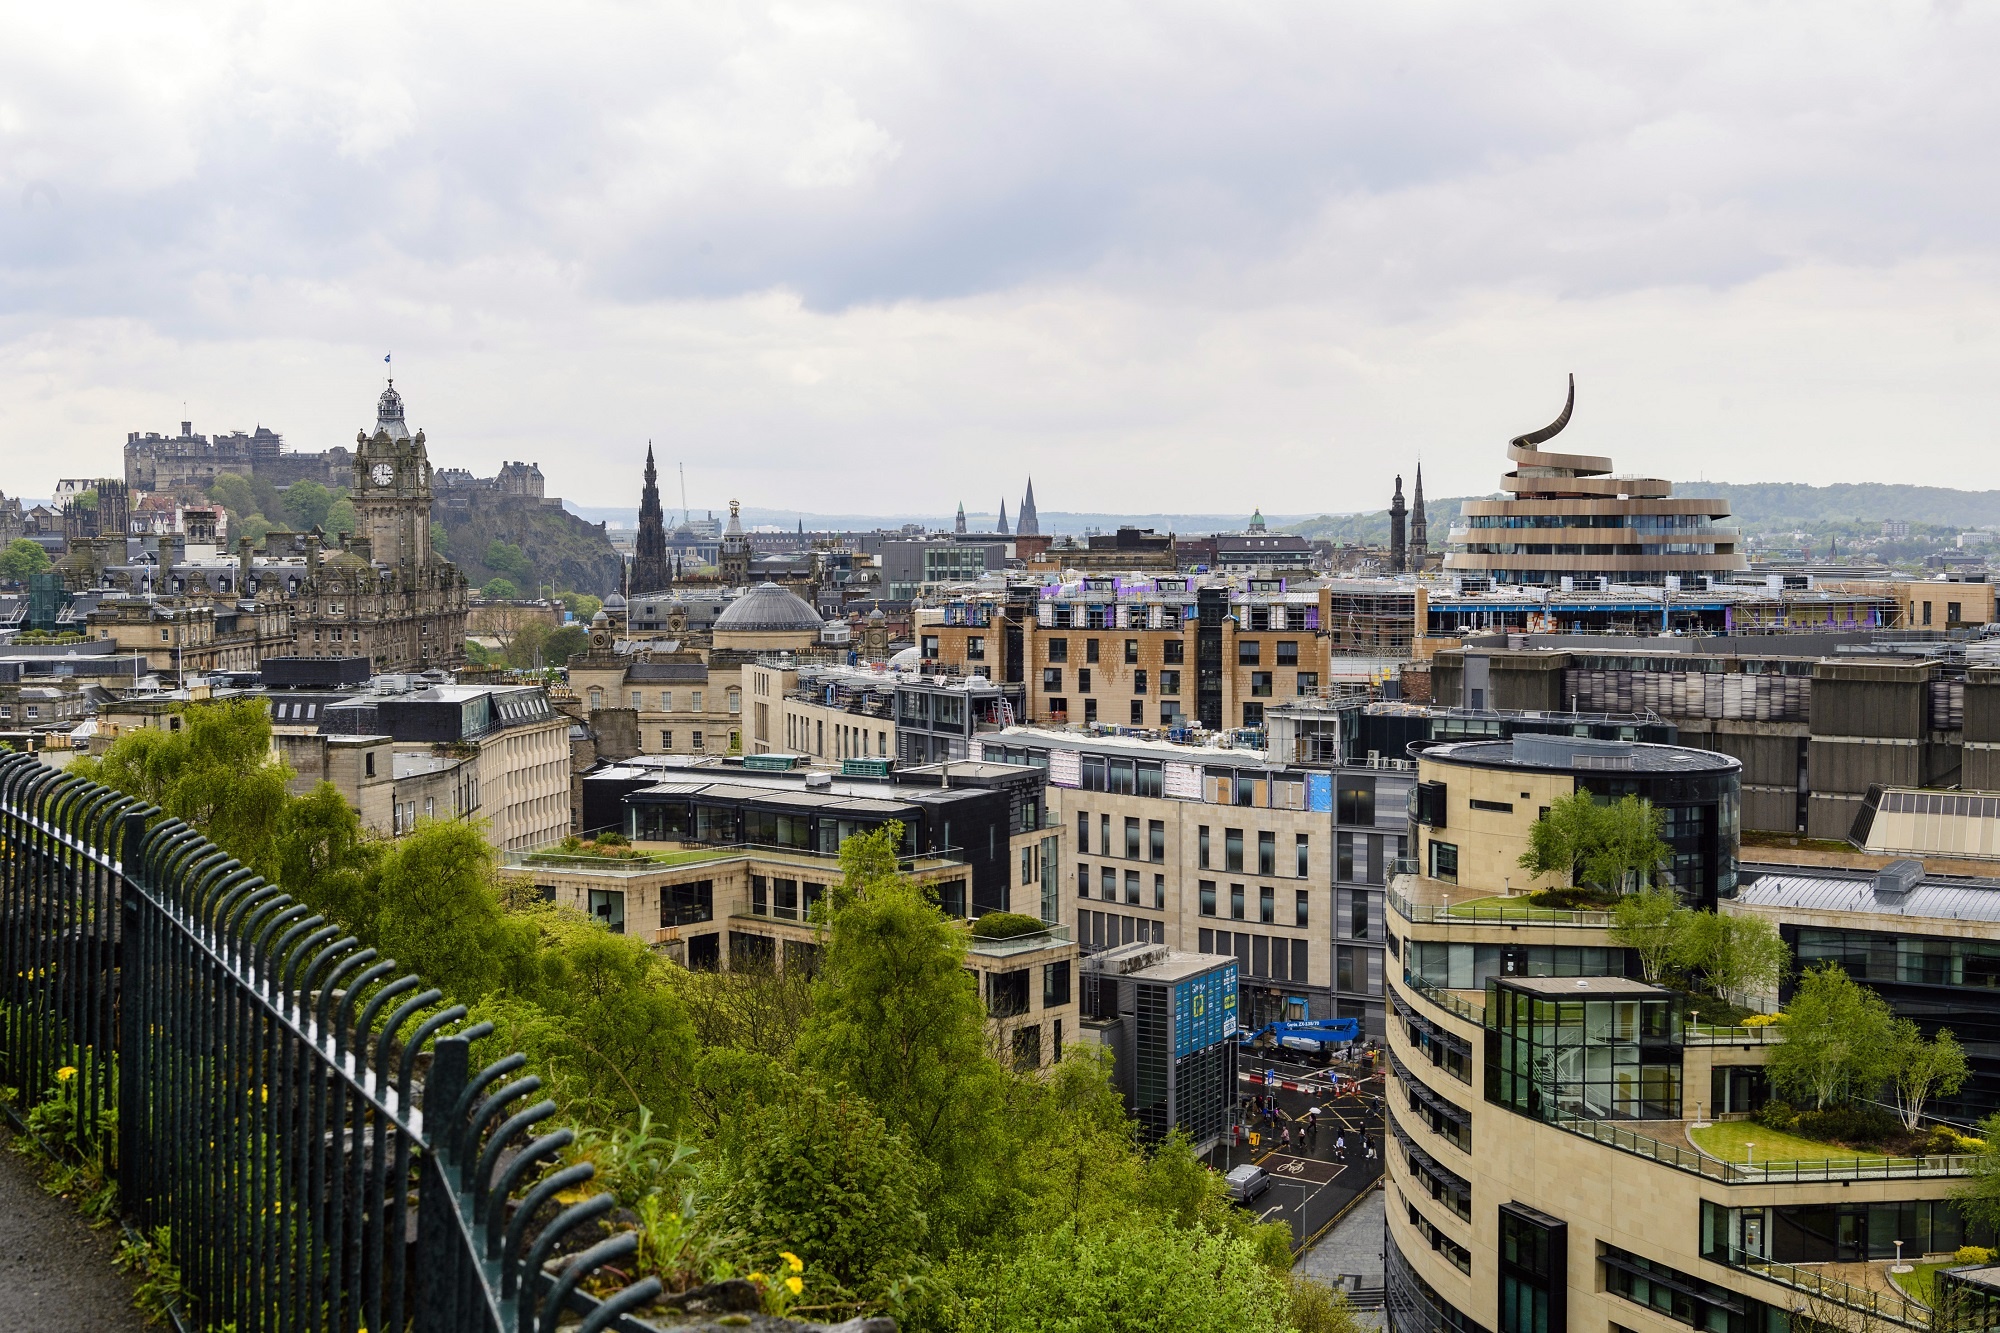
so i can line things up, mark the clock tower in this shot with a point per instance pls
(392, 487)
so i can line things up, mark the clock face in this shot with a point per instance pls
(383, 474)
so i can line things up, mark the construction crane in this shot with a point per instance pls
(1318, 1035)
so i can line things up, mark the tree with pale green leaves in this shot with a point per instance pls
(1650, 923)
(22, 558)
(1924, 1069)
(1839, 1041)
(1733, 955)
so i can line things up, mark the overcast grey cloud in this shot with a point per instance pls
(874, 257)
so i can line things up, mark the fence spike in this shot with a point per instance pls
(483, 1191)
(606, 1314)
(581, 1267)
(511, 1259)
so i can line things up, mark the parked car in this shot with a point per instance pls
(1246, 1182)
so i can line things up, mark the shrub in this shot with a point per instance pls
(1763, 1020)
(1972, 1254)
(1848, 1124)
(1776, 1114)
(1006, 925)
(1574, 898)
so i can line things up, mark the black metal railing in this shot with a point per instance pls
(301, 1117)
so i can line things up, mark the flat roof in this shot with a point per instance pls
(1939, 899)
(1584, 756)
(1583, 987)
(860, 797)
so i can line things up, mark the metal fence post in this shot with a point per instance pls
(132, 999)
(437, 1283)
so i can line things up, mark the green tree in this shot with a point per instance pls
(563, 644)
(232, 492)
(270, 503)
(580, 604)
(216, 773)
(255, 527)
(437, 910)
(87, 500)
(1924, 1068)
(1735, 955)
(22, 558)
(1561, 841)
(306, 505)
(500, 590)
(509, 559)
(820, 1174)
(1979, 1195)
(897, 1019)
(440, 539)
(1839, 1040)
(341, 517)
(1627, 847)
(524, 645)
(1136, 1277)
(325, 859)
(1650, 923)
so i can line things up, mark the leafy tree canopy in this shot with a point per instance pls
(22, 558)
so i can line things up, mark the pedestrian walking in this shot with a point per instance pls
(1340, 1147)
(1285, 1139)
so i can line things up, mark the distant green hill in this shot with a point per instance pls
(561, 549)
(1756, 506)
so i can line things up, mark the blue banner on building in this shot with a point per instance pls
(1319, 792)
(1204, 1010)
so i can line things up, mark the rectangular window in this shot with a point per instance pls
(1356, 801)
(1090, 650)
(1107, 884)
(1357, 916)
(1137, 712)
(1170, 682)
(1343, 857)
(1159, 893)
(1082, 833)
(1444, 862)
(1082, 880)
(1253, 715)
(1138, 682)
(1173, 651)
(1055, 985)
(1501, 807)
(1301, 904)
(1156, 839)
(1207, 887)
(1236, 902)
(1260, 684)
(1131, 888)
(1131, 650)
(1248, 652)
(1308, 684)
(1131, 839)
(1104, 836)
(1267, 853)
(695, 702)
(1302, 848)
(1288, 652)
(697, 740)
(1052, 678)
(1267, 905)
(1202, 839)
(1090, 710)
(975, 648)
(1083, 680)
(636, 696)
(1232, 849)
(1058, 650)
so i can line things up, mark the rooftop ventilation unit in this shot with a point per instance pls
(1898, 878)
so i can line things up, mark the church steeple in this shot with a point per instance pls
(649, 552)
(1028, 524)
(961, 517)
(1419, 530)
(1003, 516)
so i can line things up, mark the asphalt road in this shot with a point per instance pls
(55, 1272)
(1311, 1180)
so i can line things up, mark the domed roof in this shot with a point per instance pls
(769, 607)
(907, 660)
(615, 602)
(876, 617)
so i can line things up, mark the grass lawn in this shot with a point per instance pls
(1731, 1140)
(1916, 1283)
(679, 858)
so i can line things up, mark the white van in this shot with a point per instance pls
(1246, 1182)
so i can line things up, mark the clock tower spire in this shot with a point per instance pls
(392, 487)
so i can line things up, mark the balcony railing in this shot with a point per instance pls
(1893, 1307)
(1487, 911)
(1734, 1173)
(1447, 1000)
(1707, 1034)
(1053, 937)
(665, 855)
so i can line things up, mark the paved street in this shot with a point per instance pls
(55, 1272)
(1313, 1177)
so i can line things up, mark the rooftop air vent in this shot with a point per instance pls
(1898, 878)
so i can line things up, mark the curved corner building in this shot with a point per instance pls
(1570, 518)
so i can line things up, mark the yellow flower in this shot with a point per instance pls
(758, 1278)
(793, 1285)
(792, 1261)
(66, 1073)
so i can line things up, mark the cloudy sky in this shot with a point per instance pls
(870, 257)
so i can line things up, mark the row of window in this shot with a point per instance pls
(1263, 684)
(1445, 1118)
(1431, 1176)
(1267, 903)
(1267, 851)
(1107, 881)
(1107, 930)
(1446, 1051)
(1262, 955)
(1173, 651)
(1457, 1255)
